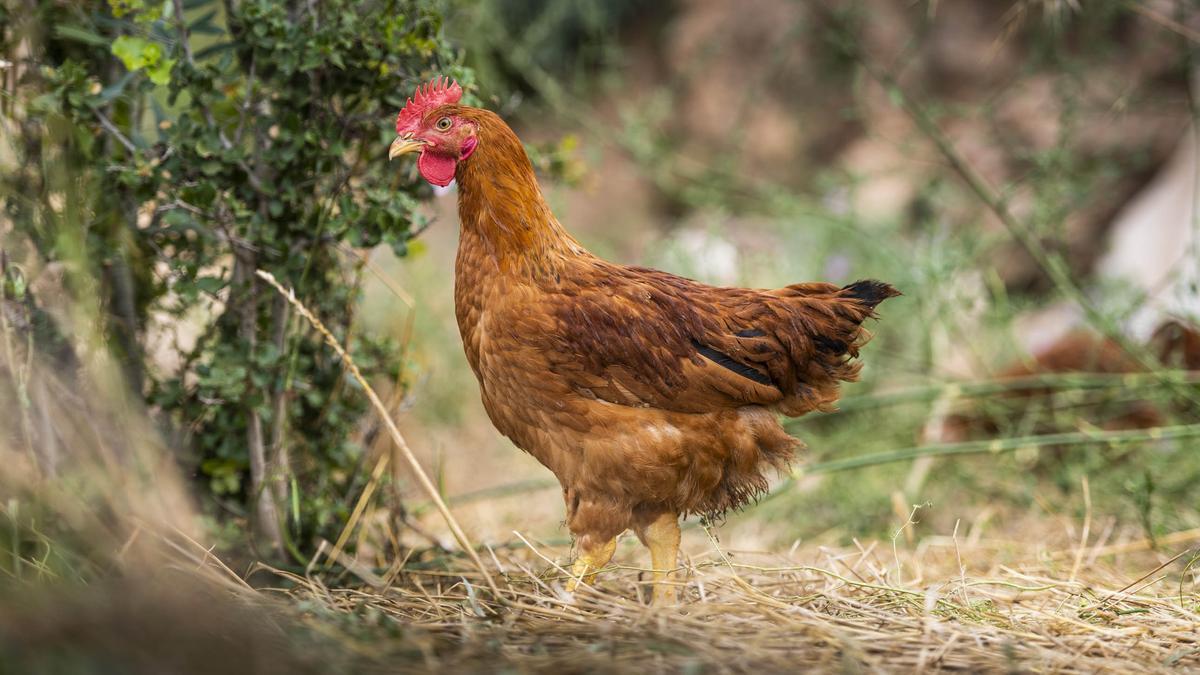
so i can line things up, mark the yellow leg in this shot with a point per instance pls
(588, 562)
(662, 538)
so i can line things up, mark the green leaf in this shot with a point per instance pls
(122, 7)
(269, 354)
(113, 90)
(205, 25)
(46, 103)
(79, 34)
(210, 284)
(136, 52)
(213, 50)
(160, 73)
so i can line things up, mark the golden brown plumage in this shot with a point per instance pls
(648, 395)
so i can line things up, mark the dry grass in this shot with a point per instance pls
(947, 605)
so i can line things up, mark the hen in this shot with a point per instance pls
(648, 395)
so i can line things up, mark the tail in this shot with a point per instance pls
(870, 292)
(835, 315)
(855, 303)
(829, 322)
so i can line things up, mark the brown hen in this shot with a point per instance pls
(648, 395)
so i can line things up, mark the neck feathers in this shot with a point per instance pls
(500, 203)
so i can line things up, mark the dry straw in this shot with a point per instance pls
(984, 606)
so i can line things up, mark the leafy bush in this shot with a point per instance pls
(178, 147)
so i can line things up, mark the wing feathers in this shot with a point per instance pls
(676, 344)
(727, 362)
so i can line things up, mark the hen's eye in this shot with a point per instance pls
(443, 124)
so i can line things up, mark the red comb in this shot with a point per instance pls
(440, 91)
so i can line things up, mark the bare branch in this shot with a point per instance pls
(262, 492)
(246, 105)
(116, 133)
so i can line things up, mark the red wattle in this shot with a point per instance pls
(437, 169)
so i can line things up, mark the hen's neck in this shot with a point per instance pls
(501, 207)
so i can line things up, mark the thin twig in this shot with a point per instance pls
(997, 445)
(1164, 21)
(116, 133)
(1087, 526)
(397, 438)
(359, 507)
(1119, 593)
(1051, 382)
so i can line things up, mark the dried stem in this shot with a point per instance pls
(397, 438)
(997, 445)
(279, 466)
(265, 508)
(1024, 383)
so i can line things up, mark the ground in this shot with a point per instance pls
(978, 600)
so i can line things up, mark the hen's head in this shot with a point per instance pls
(433, 124)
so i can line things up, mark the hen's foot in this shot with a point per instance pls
(589, 562)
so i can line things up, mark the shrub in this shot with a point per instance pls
(176, 148)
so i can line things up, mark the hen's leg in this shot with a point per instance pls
(662, 538)
(590, 560)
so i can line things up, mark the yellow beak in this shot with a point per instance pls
(404, 145)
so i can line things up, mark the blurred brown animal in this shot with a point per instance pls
(1175, 344)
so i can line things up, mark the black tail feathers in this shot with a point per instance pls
(871, 292)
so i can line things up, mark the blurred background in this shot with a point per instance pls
(1024, 171)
